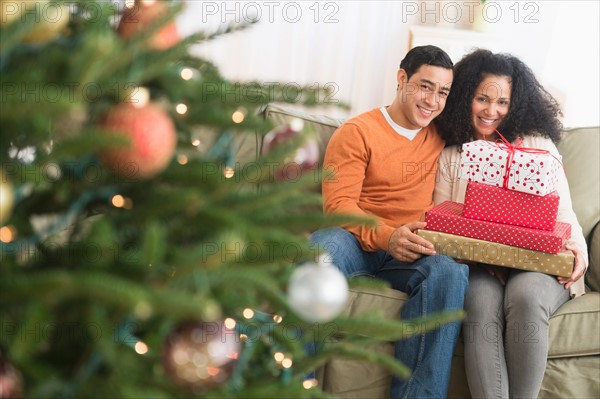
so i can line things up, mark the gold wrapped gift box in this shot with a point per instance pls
(492, 253)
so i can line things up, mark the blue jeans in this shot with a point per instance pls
(433, 283)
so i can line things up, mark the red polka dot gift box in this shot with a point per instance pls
(447, 218)
(499, 205)
(528, 170)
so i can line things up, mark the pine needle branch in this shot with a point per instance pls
(385, 329)
(121, 293)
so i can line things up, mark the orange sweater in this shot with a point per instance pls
(379, 173)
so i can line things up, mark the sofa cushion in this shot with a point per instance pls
(388, 302)
(575, 377)
(580, 149)
(574, 328)
(564, 339)
(349, 378)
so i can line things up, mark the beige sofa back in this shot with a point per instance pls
(580, 149)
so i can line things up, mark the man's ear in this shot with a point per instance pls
(401, 78)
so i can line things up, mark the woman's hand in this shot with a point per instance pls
(578, 270)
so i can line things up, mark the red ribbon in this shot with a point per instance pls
(512, 149)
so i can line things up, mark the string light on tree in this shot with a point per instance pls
(7, 233)
(229, 323)
(228, 172)
(141, 348)
(286, 363)
(181, 109)
(279, 356)
(186, 73)
(248, 313)
(239, 115)
(118, 201)
(310, 383)
(138, 96)
(182, 159)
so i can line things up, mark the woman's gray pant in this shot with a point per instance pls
(506, 332)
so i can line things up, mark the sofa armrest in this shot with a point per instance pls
(580, 150)
(592, 276)
(323, 126)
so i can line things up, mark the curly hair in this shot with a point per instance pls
(532, 110)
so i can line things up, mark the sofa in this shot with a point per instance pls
(573, 369)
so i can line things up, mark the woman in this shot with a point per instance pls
(508, 310)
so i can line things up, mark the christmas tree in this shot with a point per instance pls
(136, 259)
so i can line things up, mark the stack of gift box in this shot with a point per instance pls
(509, 215)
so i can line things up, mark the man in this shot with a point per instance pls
(384, 163)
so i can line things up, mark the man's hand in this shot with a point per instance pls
(406, 246)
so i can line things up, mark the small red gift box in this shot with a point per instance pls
(446, 218)
(499, 205)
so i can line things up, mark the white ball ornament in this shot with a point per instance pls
(317, 292)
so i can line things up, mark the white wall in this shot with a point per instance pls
(356, 46)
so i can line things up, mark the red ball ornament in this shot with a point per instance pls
(200, 355)
(152, 138)
(141, 16)
(298, 161)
